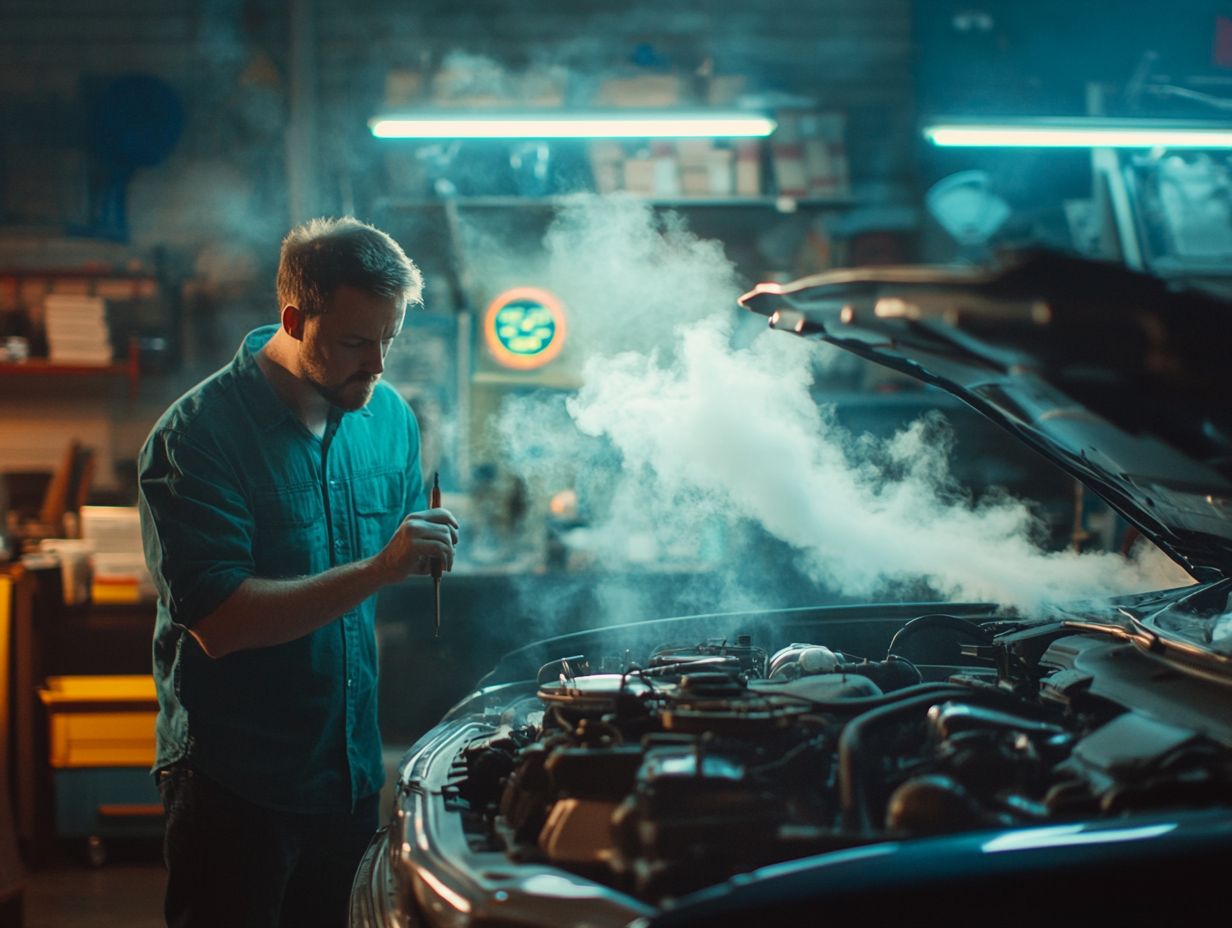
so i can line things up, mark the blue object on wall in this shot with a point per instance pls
(134, 122)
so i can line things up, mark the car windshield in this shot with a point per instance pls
(1201, 616)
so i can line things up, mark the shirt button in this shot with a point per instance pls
(334, 484)
(348, 682)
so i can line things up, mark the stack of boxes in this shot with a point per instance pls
(810, 157)
(805, 157)
(807, 153)
(701, 168)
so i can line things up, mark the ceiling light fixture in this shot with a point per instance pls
(1078, 133)
(555, 125)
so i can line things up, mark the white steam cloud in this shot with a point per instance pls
(688, 430)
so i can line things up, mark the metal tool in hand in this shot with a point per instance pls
(436, 561)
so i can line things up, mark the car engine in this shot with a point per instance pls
(697, 762)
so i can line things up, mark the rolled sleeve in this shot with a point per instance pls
(197, 526)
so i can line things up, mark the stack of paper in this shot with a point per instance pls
(76, 327)
(120, 574)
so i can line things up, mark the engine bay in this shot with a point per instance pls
(662, 773)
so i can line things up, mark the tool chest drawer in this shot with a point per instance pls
(100, 750)
(100, 721)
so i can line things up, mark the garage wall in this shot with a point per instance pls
(851, 55)
(229, 62)
(212, 212)
(199, 215)
(54, 60)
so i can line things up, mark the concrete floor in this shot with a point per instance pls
(127, 890)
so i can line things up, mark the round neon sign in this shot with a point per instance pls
(524, 328)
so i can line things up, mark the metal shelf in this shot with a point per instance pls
(776, 203)
(130, 369)
(550, 379)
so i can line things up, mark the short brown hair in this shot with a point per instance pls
(322, 255)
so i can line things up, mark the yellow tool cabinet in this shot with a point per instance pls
(101, 748)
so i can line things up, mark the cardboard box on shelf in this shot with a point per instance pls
(607, 165)
(790, 176)
(643, 91)
(478, 82)
(720, 177)
(825, 154)
(640, 174)
(694, 151)
(543, 87)
(748, 168)
(403, 87)
(120, 573)
(693, 157)
(666, 169)
(695, 180)
(725, 89)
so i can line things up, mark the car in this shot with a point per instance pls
(902, 762)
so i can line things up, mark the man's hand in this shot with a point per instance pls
(261, 613)
(421, 537)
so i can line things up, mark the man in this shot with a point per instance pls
(276, 498)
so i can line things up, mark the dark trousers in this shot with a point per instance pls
(232, 864)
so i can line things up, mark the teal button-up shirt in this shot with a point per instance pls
(232, 486)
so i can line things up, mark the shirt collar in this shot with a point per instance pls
(268, 409)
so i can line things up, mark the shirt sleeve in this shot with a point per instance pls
(196, 525)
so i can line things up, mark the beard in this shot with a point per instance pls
(350, 395)
(321, 372)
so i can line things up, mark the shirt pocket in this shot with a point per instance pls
(378, 508)
(290, 537)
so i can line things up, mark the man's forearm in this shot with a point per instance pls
(261, 613)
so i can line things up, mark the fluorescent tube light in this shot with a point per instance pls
(1078, 133)
(554, 125)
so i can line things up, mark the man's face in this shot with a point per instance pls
(343, 349)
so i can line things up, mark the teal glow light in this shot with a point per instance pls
(1078, 133)
(525, 328)
(1030, 839)
(557, 125)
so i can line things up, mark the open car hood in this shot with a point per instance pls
(1115, 376)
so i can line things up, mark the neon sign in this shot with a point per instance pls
(524, 328)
